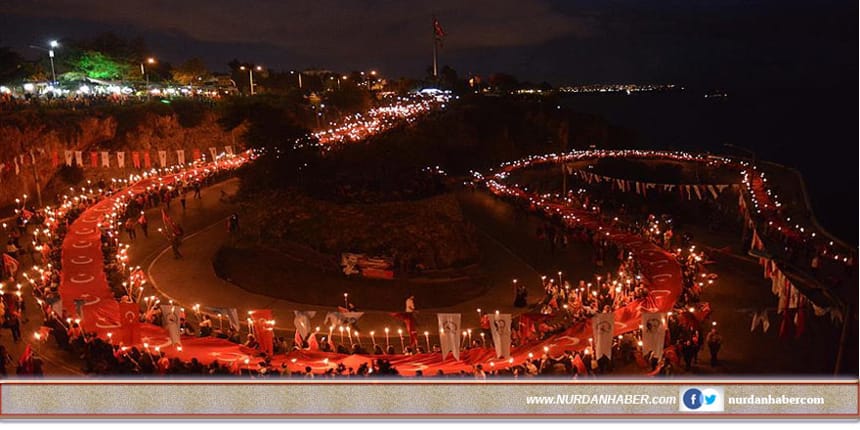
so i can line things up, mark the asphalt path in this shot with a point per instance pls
(510, 250)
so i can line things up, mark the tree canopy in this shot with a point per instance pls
(190, 72)
(98, 65)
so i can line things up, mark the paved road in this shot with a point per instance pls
(510, 250)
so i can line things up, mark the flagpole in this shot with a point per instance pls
(435, 42)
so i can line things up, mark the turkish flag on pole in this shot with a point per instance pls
(263, 329)
(135, 159)
(411, 326)
(10, 264)
(437, 29)
(196, 153)
(129, 317)
(147, 161)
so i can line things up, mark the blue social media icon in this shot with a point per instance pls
(693, 399)
(710, 399)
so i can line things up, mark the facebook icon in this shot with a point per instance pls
(701, 400)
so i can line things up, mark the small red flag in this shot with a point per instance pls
(10, 264)
(437, 29)
(263, 326)
(313, 345)
(411, 326)
(26, 360)
(130, 323)
(580, 365)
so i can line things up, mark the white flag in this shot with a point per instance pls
(68, 155)
(653, 333)
(120, 159)
(180, 156)
(228, 149)
(501, 328)
(449, 334)
(162, 158)
(105, 159)
(713, 191)
(604, 329)
(79, 158)
(302, 322)
(231, 313)
(342, 318)
(214, 152)
(170, 316)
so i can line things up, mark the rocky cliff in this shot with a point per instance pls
(45, 136)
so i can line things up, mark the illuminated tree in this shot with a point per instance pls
(96, 65)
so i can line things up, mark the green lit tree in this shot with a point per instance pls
(96, 65)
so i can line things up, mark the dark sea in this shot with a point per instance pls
(815, 132)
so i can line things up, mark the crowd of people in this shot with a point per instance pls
(39, 234)
(10, 102)
(566, 304)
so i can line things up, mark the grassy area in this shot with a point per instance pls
(430, 232)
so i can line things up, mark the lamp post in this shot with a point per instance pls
(251, 75)
(53, 45)
(300, 77)
(149, 60)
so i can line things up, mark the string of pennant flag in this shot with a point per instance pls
(687, 191)
(139, 159)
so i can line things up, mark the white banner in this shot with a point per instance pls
(162, 158)
(228, 149)
(449, 334)
(69, 155)
(501, 328)
(604, 329)
(302, 321)
(105, 159)
(180, 156)
(342, 318)
(170, 316)
(120, 159)
(653, 333)
(214, 152)
(79, 158)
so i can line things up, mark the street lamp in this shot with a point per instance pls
(53, 44)
(251, 75)
(149, 60)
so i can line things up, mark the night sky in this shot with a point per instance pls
(712, 44)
